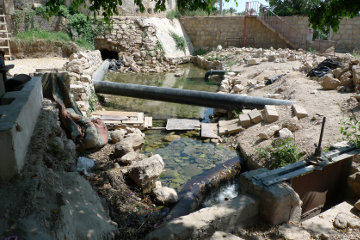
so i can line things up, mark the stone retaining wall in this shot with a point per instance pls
(212, 31)
(81, 67)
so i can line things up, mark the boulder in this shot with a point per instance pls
(356, 74)
(165, 195)
(346, 79)
(122, 148)
(146, 172)
(252, 61)
(238, 88)
(343, 220)
(329, 83)
(136, 140)
(292, 232)
(117, 135)
(285, 133)
(128, 158)
(337, 72)
(220, 235)
(354, 183)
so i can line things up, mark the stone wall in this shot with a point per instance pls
(139, 46)
(36, 22)
(81, 67)
(228, 31)
(212, 31)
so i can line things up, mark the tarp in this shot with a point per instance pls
(86, 133)
(324, 67)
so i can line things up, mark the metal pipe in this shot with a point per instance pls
(216, 72)
(191, 97)
(318, 149)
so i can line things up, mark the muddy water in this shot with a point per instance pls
(184, 153)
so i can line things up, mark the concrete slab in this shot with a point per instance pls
(227, 216)
(323, 223)
(182, 124)
(209, 130)
(17, 122)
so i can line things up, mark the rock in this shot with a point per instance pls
(238, 88)
(337, 72)
(171, 138)
(244, 120)
(346, 79)
(70, 147)
(255, 116)
(58, 144)
(357, 204)
(146, 172)
(219, 235)
(291, 124)
(115, 177)
(299, 111)
(158, 184)
(252, 61)
(285, 133)
(134, 67)
(136, 140)
(219, 48)
(179, 74)
(122, 148)
(117, 135)
(165, 195)
(269, 132)
(329, 83)
(128, 158)
(354, 183)
(343, 220)
(36, 5)
(86, 78)
(270, 113)
(356, 74)
(292, 232)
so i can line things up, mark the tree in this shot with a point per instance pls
(109, 7)
(323, 14)
(329, 13)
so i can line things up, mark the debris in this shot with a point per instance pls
(273, 79)
(84, 164)
(271, 115)
(244, 120)
(324, 67)
(255, 116)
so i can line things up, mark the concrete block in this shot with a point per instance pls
(279, 203)
(299, 111)
(270, 113)
(244, 120)
(17, 122)
(255, 116)
(230, 127)
(227, 216)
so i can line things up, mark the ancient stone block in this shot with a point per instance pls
(244, 120)
(255, 116)
(299, 111)
(270, 113)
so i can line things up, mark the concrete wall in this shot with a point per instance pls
(212, 31)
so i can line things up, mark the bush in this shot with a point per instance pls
(180, 42)
(280, 153)
(200, 52)
(351, 130)
(173, 14)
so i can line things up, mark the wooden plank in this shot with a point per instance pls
(116, 113)
(209, 130)
(281, 170)
(182, 124)
(289, 175)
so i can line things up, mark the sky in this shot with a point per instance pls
(241, 4)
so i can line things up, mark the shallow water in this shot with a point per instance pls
(184, 153)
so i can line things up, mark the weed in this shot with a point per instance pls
(199, 51)
(356, 53)
(160, 47)
(351, 130)
(32, 35)
(173, 14)
(179, 41)
(280, 153)
(82, 42)
(93, 100)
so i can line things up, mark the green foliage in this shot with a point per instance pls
(33, 35)
(321, 33)
(199, 51)
(356, 53)
(280, 153)
(18, 18)
(63, 11)
(160, 47)
(93, 101)
(351, 130)
(290, 7)
(82, 42)
(108, 8)
(173, 14)
(179, 41)
(329, 13)
(41, 11)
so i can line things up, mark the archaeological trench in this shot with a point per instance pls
(131, 141)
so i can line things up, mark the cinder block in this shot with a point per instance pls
(17, 122)
(255, 116)
(244, 120)
(271, 115)
(299, 111)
